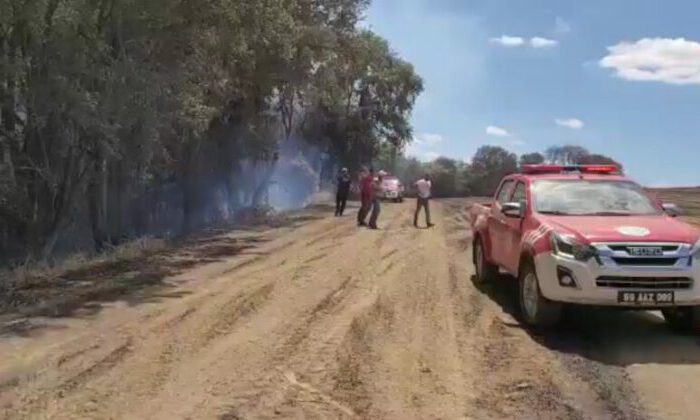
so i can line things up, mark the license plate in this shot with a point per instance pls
(646, 298)
(645, 251)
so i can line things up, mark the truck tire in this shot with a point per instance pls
(484, 270)
(683, 319)
(536, 310)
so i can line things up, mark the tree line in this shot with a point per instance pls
(122, 118)
(482, 175)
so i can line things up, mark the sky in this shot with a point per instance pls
(618, 77)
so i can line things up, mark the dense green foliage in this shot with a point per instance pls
(127, 117)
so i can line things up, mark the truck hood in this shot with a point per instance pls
(655, 228)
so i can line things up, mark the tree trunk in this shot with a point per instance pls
(114, 220)
(189, 204)
(97, 204)
(190, 196)
(7, 115)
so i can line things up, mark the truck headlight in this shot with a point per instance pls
(696, 250)
(569, 248)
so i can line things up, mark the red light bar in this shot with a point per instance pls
(600, 169)
(542, 169)
(555, 169)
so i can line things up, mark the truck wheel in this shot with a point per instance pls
(485, 271)
(683, 319)
(536, 310)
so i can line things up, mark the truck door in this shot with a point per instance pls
(513, 231)
(498, 224)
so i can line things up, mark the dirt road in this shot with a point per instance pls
(324, 320)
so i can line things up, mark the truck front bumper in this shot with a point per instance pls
(601, 284)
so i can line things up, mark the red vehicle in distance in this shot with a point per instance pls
(392, 189)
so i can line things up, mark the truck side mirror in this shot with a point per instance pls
(671, 209)
(514, 209)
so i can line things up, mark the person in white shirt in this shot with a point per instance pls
(423, 186)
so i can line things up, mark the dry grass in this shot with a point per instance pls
(39, 289)
(688, 199)
(81, 261)
(135, 272)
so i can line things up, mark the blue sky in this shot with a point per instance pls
(620, 78)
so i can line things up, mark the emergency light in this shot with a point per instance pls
(556, 169)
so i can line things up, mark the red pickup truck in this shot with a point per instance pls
(588, 235)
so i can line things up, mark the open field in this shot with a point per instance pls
(688, 199)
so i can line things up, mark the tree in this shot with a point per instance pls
(489, 165)
(445, 173)
(566, 155)
(576, 155)
(598, 159)
(367, 103)
(125, 118)
(531, 159)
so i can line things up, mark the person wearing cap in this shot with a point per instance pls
(343, 190)
(376, 191)
(365, 196)
(423, 186)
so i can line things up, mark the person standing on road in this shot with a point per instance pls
(423, 186)
(376, 191)
(343, 190)
(365, 196)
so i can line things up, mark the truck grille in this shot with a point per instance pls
(646, 283)
(646, 262)
(644, 254)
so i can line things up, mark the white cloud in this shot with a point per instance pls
(516, 41)
(561, 26)
(673, 61)
(497, 131)
(505, 137)
(428, 138)
(539, 42)
(572, 123)
(508, 41)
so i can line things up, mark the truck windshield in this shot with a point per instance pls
(589, 198)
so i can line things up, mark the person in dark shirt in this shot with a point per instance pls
(342, 192)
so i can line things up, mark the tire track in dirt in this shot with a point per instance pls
(112, 359)
(308, 350)
(387, 365)
(355, 357)
(79, 372)
(303, 280)
(231, 312)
